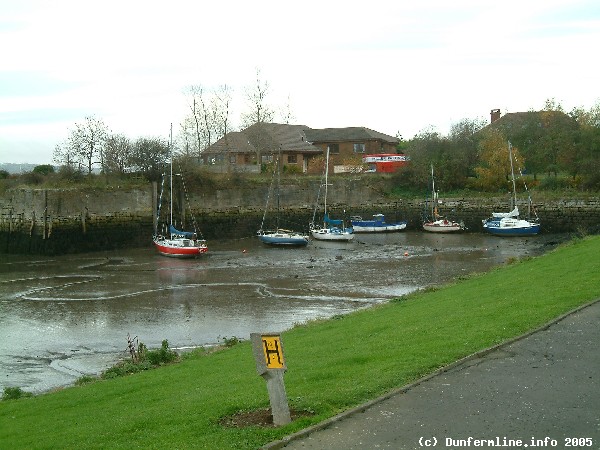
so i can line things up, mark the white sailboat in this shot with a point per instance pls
(509, 223)
(436, 223)
(279, 236)
(332, 229)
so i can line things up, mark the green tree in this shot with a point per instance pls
(493, 172)
(149, 157)
(44, 169)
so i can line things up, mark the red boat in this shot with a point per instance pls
(178, 244)
(181, 244)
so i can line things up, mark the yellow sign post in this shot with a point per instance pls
(270, 364)
(273, 352)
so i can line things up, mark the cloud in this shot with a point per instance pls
(390, 66)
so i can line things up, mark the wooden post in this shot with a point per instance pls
(154, 207)
(270, 364)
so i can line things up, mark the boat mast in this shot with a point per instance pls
(432, 195)
(278, 183)
(326, 174)
(512, 174)
(171, 189)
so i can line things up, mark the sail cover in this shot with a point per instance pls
(185, 234)
(326, 219)
(513, 213)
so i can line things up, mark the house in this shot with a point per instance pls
(531, 123)
(301, 148)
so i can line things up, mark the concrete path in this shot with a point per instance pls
(543, 387)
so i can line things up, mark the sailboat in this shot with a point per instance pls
(279, 236)
(509, 223)
(437, 223)
(176, 243)
(332, 229)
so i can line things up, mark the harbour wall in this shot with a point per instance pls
(56, 221)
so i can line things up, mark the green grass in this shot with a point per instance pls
(332, 365)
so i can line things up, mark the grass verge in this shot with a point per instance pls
(332, 365)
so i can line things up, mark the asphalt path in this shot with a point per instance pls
(541, 390)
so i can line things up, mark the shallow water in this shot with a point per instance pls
(66, 316)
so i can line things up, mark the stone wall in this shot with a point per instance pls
(51, 221)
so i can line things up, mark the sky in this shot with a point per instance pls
(393, 66)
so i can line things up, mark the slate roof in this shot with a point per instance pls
(268, 137)
(354, 134)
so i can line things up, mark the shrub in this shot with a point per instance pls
(164, 355)
(14, 393)
(85, 379)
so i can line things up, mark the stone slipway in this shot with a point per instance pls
(544, 385)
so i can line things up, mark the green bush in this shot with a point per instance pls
(142, 359)
(554, 183)
(14, 393)
(164, 355)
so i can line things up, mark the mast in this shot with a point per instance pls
(326, 174)
(432, 195)
(171, 189)
(512, 174)
(278, 183)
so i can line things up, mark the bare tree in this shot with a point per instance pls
(222, 107)
(117, 153)
(85, 145)
(259, 110)
(287, 114)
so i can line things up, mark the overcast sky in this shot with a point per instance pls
(392, 66)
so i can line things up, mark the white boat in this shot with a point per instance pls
(377, 224)
(509, 223)
(332, 229)
(279, 236)
(436, 223)
(173, 242)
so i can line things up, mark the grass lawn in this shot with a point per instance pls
(332, 365)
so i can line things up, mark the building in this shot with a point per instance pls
(301, 148)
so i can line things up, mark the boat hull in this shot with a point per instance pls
(366, 227)
(511, 227)
(377, 225)
(442, 226)
(283, 239)
(180, 248)
(332, 234)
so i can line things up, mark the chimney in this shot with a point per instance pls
(495, 115)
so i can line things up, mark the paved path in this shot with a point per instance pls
(545, 386)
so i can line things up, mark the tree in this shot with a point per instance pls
(256, 96)
(209, 117)
(117, 154)
(84, 146)
(287, 113)
(44, 169)
(149, 157)
(494, 170)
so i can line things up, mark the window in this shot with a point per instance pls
(231, 159)
(292, 159)
(266, 159)
(359, 148)
(334, 149)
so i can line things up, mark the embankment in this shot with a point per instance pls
(53, 221)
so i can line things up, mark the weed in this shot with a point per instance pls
(14, 393)
(230, 342)
(85, 379)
